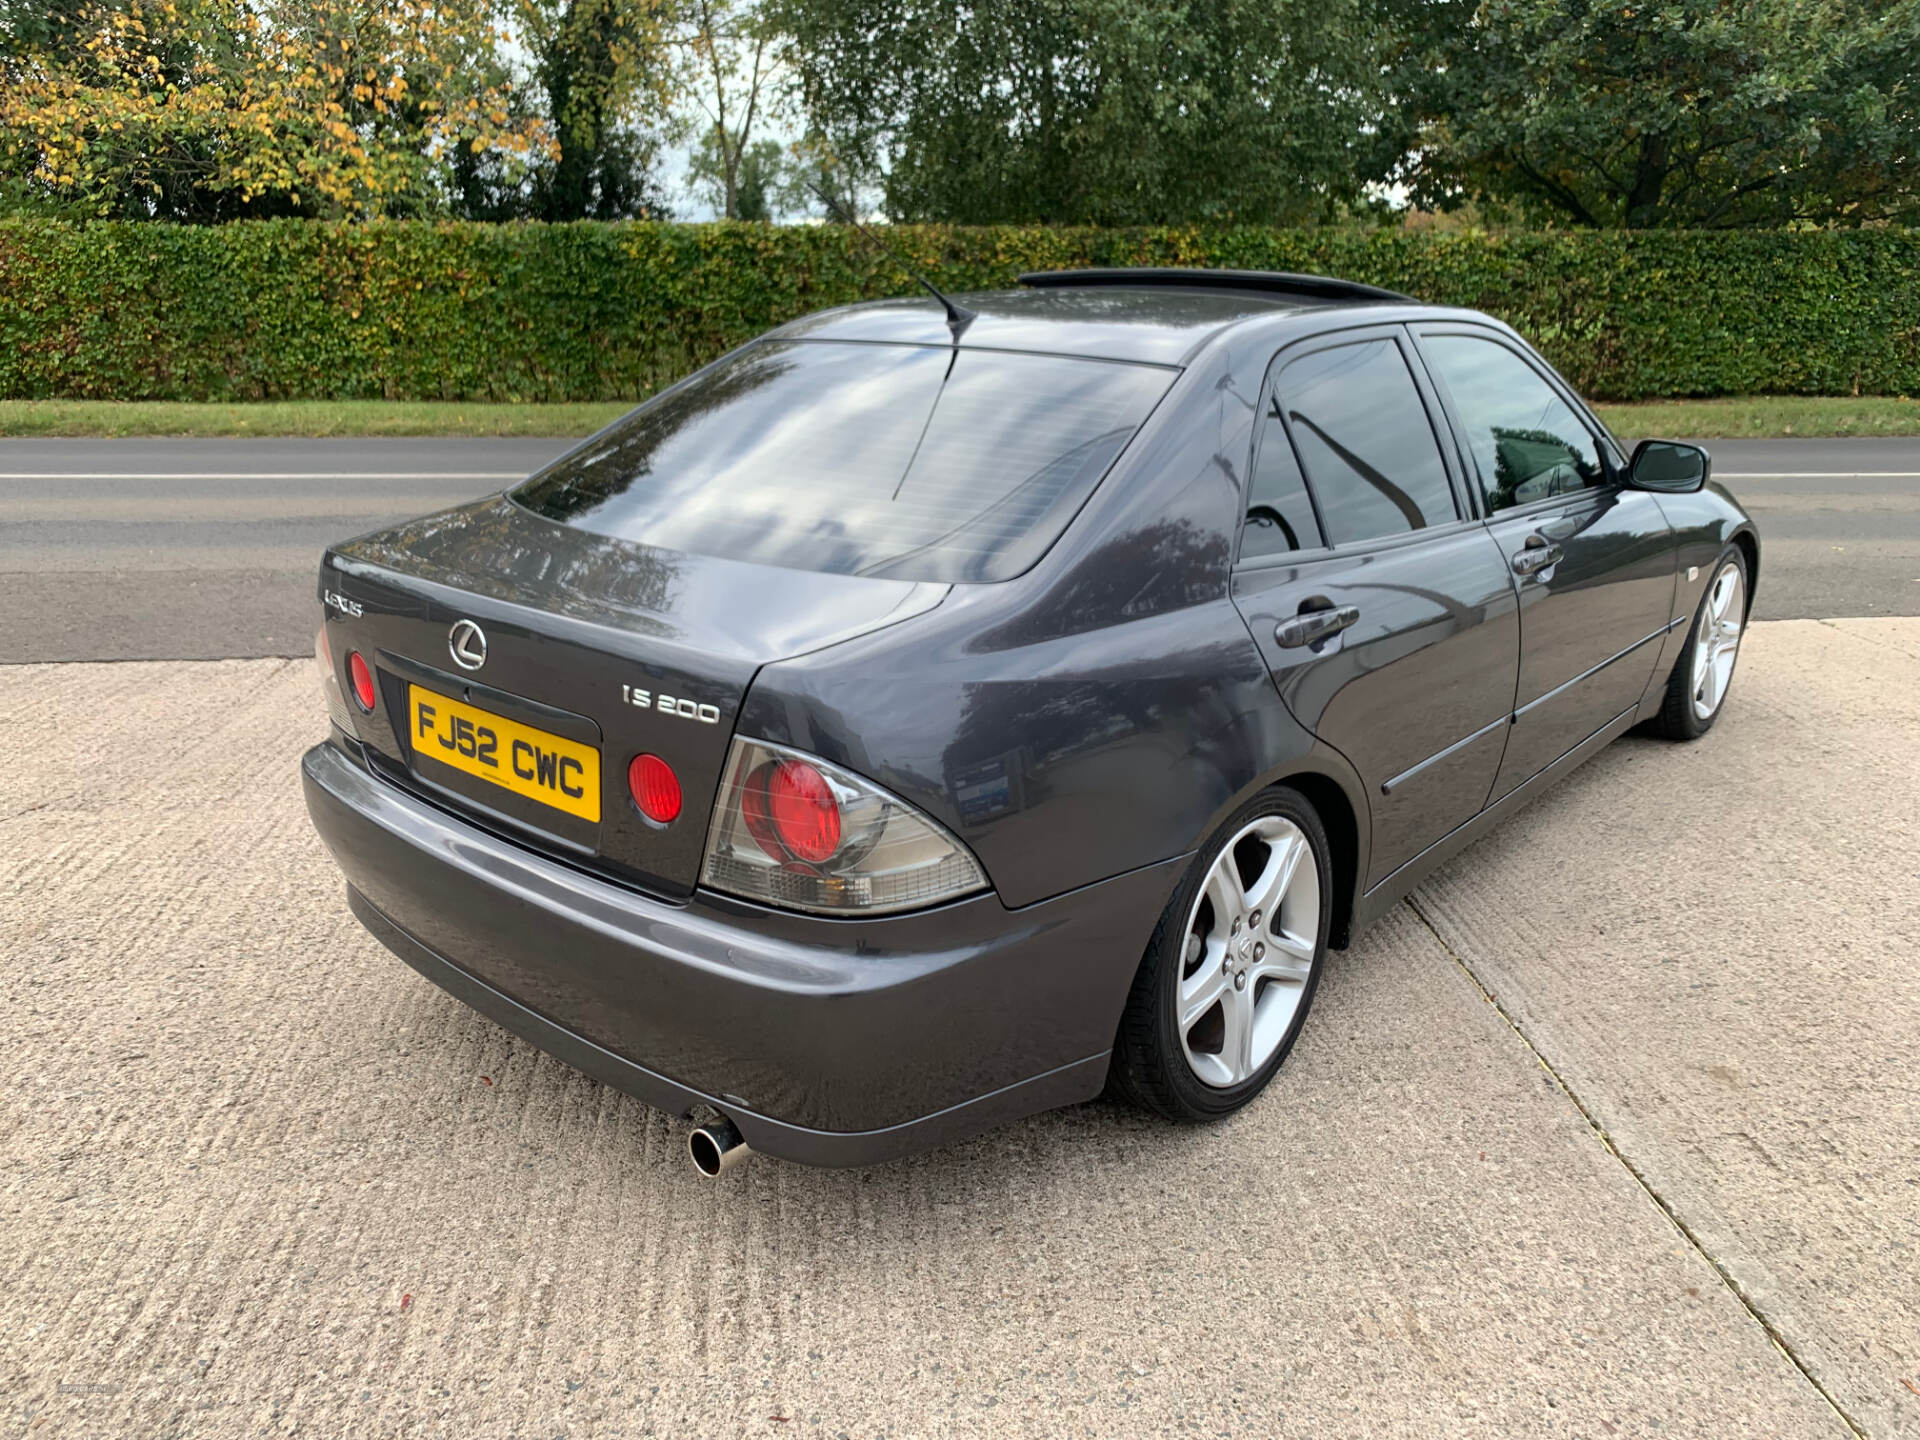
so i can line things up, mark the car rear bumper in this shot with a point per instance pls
(831, 1042)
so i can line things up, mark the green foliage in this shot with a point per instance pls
(596, 64)
(1631, 114)
(1097, 111)
(206, 111)
(761, 175)
(762, 178)
(1668, 112)
(732, 69)
(285, 309)
(212, 110)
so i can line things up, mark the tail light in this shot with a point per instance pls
(362, 676)
(803, 812)
(330, 683)
(792, 830)
(656, 789)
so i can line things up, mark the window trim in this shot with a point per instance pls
(1605, 446)
(1260, 429)
(1445, 444)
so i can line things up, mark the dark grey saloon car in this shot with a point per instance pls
(916, 720)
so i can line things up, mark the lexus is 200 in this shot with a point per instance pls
(923, 717)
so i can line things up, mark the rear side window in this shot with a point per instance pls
(1280, 516)
(1365, 440)
(1527, 443)
(914, 462)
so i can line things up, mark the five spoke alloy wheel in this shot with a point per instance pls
(1252, 934)
(1716, 639)
(1697, 685)
(1230, 973)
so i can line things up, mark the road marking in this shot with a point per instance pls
(264, 474)
(1818, 475)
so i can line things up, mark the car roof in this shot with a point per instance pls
(1151, 316)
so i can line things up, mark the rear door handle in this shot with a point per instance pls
(1314, 626)
(1540, 554)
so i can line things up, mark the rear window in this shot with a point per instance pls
(914, 462)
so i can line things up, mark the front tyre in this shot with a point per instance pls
(1698, 685)
(1229, 975)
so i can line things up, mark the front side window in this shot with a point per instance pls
(913, 462)
(1526, 440)
(1365, 441)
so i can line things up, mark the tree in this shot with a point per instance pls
(1667, 113)
(1096, 111)
(758, 188)
(602, 70)
(731, 65)
(207, 110)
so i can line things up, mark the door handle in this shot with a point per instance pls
(1540, 554)
(1313, 626)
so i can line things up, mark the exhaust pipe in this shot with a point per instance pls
(716, 1147)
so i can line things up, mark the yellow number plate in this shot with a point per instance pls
(548, 768)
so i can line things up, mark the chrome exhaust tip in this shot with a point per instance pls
(716, 1147)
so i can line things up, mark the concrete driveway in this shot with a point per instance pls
(1614, 1130)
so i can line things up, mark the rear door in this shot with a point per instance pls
(1592, 561)
(1377, 598)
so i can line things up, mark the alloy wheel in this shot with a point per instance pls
(1716, 641)
(1251, 940)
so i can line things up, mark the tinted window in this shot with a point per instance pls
(1526, 441)
(1365, 440)
(921, 463)
(1279, 514)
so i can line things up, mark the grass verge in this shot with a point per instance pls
(113, 418)
(1746, 418)
(1765, 417)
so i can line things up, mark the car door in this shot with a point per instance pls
(1592, 560)
(1378, 600)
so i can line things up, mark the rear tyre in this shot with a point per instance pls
(1697, 688)
(1230, 973)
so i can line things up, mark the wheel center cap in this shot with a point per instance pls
(1246, 948)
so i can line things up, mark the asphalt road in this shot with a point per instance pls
(201, 549)
(1612, 1131)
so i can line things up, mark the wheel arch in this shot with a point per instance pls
(1331, 787)
(1335, 809)
(1749, 544)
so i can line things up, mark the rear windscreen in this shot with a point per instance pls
(913, 462)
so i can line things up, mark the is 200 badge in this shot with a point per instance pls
(672, 705)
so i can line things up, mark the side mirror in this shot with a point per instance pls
(1670, 466)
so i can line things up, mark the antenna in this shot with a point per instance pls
(958, 316)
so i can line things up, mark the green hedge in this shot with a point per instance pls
(416, 310)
